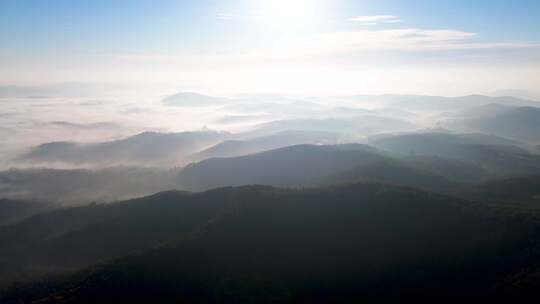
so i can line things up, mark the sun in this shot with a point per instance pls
(291, 14)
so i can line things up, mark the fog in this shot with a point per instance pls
(113, 132)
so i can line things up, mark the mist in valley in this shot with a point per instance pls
(70, 149)
(269, 151)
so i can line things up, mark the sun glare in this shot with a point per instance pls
(291, 14)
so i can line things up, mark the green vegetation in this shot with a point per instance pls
(263, 244)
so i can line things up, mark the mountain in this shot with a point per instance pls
(422, 103)
(522, 123)
(520, 190)
(519, 93)
(340, 244)
(74, 237)
(488, 110)
(12, 91)
(358, 125)
(300, 165)
(14, 210)
(82, 186)
(393, 171)
(312, 165)
(148, 148)
(231, 148)
(188, 99)
(452, 169)
(496, 155)
(437, 103)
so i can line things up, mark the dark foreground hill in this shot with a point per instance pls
(515, 190)
(260, 244)
(14, 210)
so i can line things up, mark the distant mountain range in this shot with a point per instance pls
(498, 155)
(433, 161)
(230, 148)
(519, 123)
(359, 125)
(149, 148)
(439, 103)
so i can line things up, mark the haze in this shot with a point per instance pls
(255, 151)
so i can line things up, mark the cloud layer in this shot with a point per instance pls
(375, 20)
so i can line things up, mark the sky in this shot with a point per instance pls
(306, 47)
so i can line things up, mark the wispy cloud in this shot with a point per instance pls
(335, 44)
(412, 39)
(226, 16)
(375, 20)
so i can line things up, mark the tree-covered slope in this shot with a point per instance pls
(347, 243)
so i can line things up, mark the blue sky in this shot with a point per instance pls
(205, 42)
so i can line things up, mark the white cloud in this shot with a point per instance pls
(400, 39)
(335, 44)
(226, 16)
(375, 20)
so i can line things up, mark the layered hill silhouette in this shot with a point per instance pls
(433, 161)
(520, 123)
(294, 166)
(82, 186)
(73, 237)
(293, 208)
(393, 171)
(14, 210)
(231, 148)
(438, 103)
(497, 155)
(148, 148)
(523, 189)
(358, 124)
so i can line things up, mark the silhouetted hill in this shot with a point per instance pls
(521, 123)
(148, 148)
(423, 103)
(74, 237)
(452, 169)
(488, 110)
(495, 154)
(13, 91)
(525, 189)
(349, 243)
(396, 172)
(231, 148)
(14, 210)
(438, 103)
(360, 125)
(81, 186)
(293, 166)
